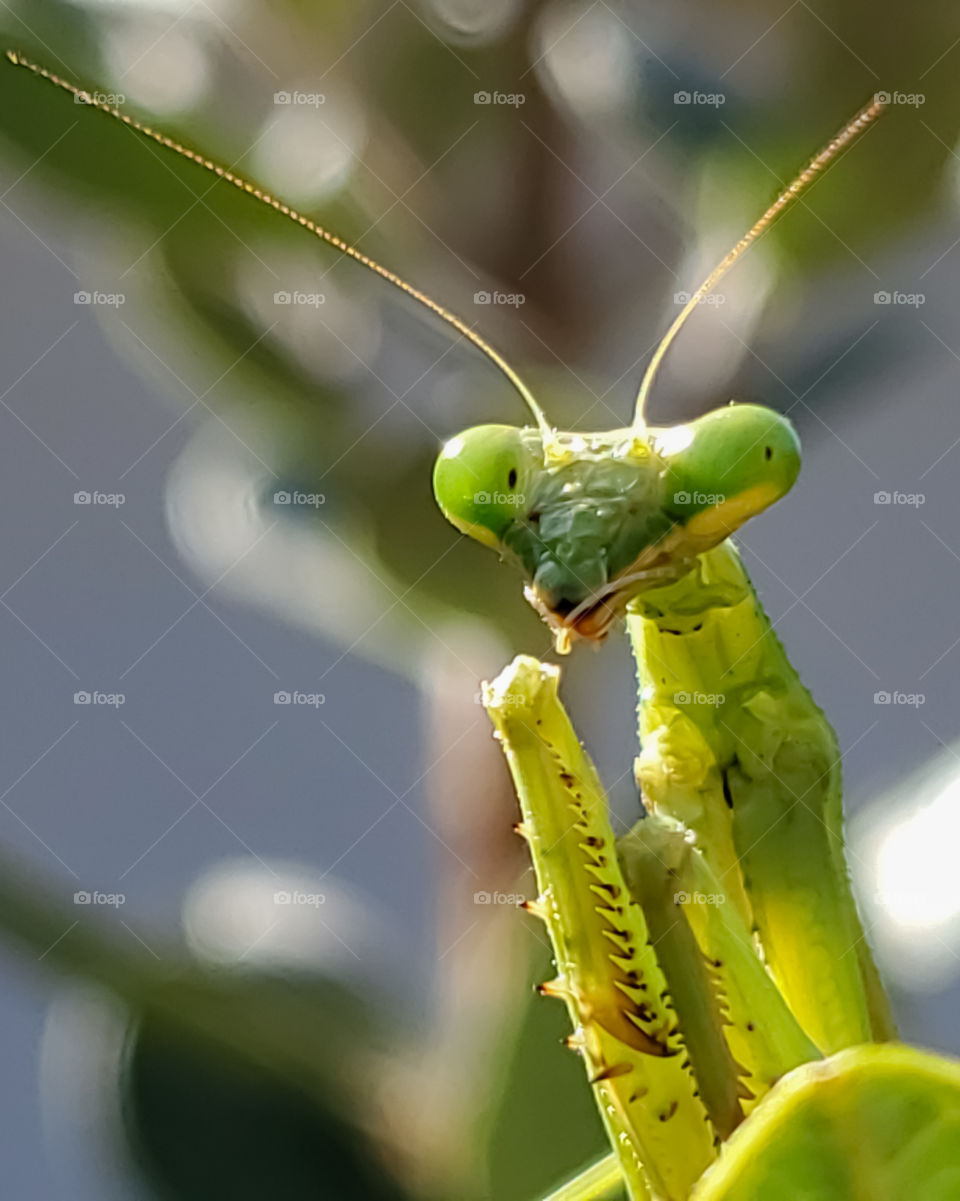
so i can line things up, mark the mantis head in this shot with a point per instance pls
(593, 519)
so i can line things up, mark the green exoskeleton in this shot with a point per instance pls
(715, 948)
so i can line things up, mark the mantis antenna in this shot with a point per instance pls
(850, 132)
(324, 234)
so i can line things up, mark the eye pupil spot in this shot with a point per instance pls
(768, 453)
(512, 477)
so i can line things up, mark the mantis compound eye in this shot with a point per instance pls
(482, 479)
(729, 465)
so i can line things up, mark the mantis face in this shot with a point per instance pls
(593, 519)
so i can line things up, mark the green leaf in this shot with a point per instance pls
(208, 1125)
(873, 1123)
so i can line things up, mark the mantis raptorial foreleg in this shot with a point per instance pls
(763, 795)
(625, 1024)
(651, 866)
(764, 1038)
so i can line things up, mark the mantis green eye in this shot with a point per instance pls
(728, 466)
(482, 479)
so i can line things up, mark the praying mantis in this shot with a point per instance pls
(720, 986)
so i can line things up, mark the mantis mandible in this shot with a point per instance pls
(716, 948)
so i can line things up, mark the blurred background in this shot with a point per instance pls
(258, 874)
